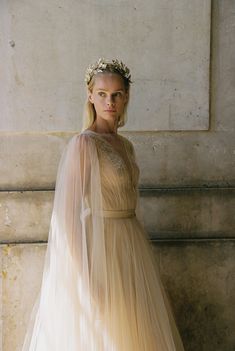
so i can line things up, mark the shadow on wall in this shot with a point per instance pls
(200, 281)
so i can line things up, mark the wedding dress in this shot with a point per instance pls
(101, 289)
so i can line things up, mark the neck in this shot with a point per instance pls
(104, 128)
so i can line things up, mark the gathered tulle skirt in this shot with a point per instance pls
(139, 316)
(129, 312)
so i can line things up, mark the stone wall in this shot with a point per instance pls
(187, 186)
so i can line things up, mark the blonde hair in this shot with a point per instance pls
(89, 113)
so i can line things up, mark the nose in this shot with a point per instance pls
(110, 100)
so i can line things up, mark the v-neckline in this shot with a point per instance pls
(110, 145)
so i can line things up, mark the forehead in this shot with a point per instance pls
(108, 81)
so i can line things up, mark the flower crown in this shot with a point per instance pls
(113, 66)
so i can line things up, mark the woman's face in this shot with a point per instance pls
(108, 96)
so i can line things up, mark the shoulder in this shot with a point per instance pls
(127, 142)
(82, 138)
(81, 142)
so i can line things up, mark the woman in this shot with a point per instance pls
(101, 289)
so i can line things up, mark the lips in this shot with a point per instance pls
(110, 110)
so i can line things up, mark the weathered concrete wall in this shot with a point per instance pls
(168, 213)
(223, 67)
(45, 50)
(199, 277)
(21, 273)
(165, 159)
(187, 179)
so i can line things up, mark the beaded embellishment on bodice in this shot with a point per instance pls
(118, 166)
(110, 154)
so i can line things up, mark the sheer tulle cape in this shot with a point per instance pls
(98, 292)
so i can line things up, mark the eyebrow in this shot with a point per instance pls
(107, 90)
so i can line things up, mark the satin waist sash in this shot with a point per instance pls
(119, 213)
(110, 213)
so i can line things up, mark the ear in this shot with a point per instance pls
(89, 96)
(127, 97)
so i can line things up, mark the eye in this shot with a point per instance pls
(101, 93)
(118, 93)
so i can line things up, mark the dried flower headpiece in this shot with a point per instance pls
(113, 66)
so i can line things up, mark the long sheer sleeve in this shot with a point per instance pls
(72, 194)
(64, 313)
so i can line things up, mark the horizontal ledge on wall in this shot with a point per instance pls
(152, 240)
(142, 190)
(72, 132)
(22, 242)
(194, 240)
(38, 133)
(152, 190)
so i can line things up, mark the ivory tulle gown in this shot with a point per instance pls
(101, 289)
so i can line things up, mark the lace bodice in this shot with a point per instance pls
(110, 154)
(119, 172)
